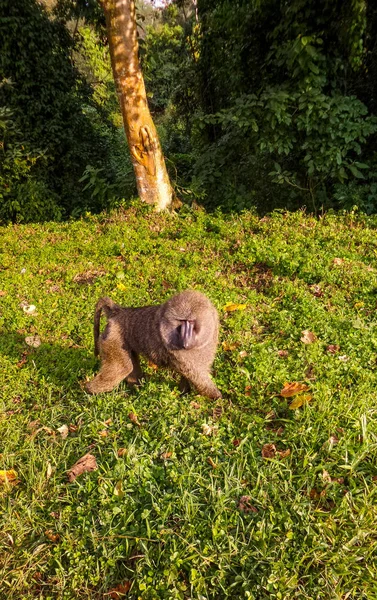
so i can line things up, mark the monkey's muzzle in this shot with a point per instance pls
(187, 334)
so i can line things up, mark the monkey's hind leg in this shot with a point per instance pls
(116, 362)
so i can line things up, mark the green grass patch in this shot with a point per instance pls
(165, 514)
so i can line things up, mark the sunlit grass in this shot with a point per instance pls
(173, 526)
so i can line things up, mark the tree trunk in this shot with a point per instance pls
(149, 165)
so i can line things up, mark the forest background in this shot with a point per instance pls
(258, 103)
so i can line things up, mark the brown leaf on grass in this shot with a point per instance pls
(338, 261)
(2, 293)
(316, 290)
(34, 341)
(333, 348)
(269, 451)
(88, 277)
(212, 463)
(236, 443)
(333, 440)
(308, 337)
(245, 505)
(292, 389)
(326, 476)
(103, 433)
(53, 537)
(195, 405)
(85, 464)
(248, 390)
(133, 417)
(283, 353)
(122, 452)
(34, 424)
(284, 453)
(9, 476)
(63, 430)
(229, 346)
(119, 591)
(151, 365)
(72, 427)
(243, 354)
(166, 455)
(300, 401)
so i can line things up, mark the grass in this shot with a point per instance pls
(166, 516)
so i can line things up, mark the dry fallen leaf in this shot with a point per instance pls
(72, 427)
(132, 417)
(8, 476)
(308, 337)
(326, 476)
(209, 429)
(344, 358)
(248, 390)
(49, 471)
(229, 346)
(283, 353)
(332, 348)
(300, 401)
(103, 433)
(119, 591)
(269, 451)
(53, 537)
(212, 463)
(316, 290)
(292, 389)
(63, 430)
(284, 453)
(151, 365)
(245, 505)
(2, 293)
(118, 489)
(29, 309)
(243, 354)
(236, 443)
(85, 464)
(166, 455)
(122, 452)
(33, 340)
(195, 405)
(338, 261)
(230, 307)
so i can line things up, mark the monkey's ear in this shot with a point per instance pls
(187, 334)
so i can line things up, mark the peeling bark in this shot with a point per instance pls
(148, 161)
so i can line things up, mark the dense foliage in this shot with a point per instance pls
(259, 103)
(52, 125)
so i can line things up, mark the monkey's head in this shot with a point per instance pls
(186, 321)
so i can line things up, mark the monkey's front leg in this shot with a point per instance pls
(203, 383)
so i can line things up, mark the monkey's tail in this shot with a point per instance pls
(107, 306)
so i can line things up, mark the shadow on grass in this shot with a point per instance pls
(61, 366)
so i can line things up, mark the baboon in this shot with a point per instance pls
(182, 334)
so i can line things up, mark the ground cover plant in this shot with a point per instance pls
(268, 493)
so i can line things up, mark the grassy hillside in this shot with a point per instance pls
(192, 503)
